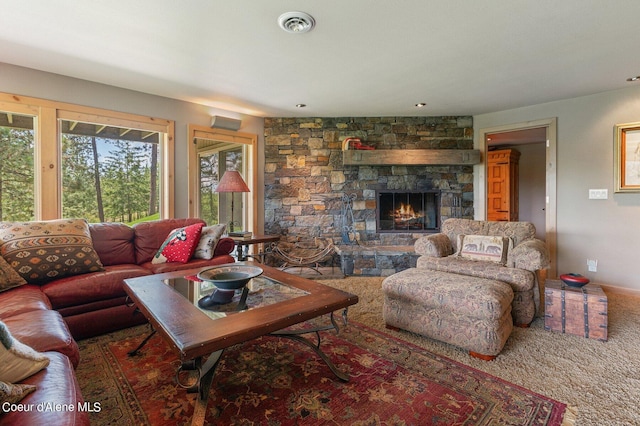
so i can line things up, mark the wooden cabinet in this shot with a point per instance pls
(502, 185)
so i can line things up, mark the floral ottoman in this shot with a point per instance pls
(469, 312)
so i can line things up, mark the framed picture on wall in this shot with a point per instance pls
(627, 157)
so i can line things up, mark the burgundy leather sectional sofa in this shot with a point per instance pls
(51, 317)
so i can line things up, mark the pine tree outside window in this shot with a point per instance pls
(16, 167)
(109, 174)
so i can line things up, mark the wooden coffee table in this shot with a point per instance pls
(275, 301)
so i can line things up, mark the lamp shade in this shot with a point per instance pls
(232, 182)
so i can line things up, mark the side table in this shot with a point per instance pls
(242, 246)
(578, 311)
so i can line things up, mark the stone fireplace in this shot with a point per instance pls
(307, 176)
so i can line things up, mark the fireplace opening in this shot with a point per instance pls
(417, 211)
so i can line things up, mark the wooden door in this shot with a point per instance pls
(502, 185)
(497, 194)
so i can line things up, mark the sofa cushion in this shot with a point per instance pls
(208, 241)
(475, 297)
(42, 251)
(531, 255)
(484, 247)
(518, 279)
(23, 299)
(17, 360)
(9, 278)
(44, 331)
(13, 393)
(56, 384)
(113, 242)
(179, 245)
(83, 289)
(517, 231)
(225, 246)
(160, 268)
(149, 236)
(102, 321)
(98, 305)
(435, 245)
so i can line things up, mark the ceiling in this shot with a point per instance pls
(363, 58)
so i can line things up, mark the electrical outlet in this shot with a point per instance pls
(598, 194)
(592, 265)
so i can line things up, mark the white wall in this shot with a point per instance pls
(532, 185)
(37, 84)
(606, 230)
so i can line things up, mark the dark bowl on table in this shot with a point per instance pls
(230, 277)
(574, 280)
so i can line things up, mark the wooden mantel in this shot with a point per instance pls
(411, 157)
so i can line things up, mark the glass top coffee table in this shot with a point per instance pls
(269, 304)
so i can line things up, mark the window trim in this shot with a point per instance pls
(48, 178)
(249, 141)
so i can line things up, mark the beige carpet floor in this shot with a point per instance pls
(599, 381)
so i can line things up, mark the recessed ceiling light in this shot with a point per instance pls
(636, 78)
(301, 105)
(421, 104)
(296, 22)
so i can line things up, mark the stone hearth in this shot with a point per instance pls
(375, 260)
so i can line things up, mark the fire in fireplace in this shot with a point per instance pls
(417, 211)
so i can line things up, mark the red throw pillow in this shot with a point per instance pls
(179, 245)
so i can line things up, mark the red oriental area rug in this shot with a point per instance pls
(275, 381)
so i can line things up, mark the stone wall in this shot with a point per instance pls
(305, 178)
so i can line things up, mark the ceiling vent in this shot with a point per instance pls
(296, 22)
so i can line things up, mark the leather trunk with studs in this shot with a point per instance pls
(578, 311)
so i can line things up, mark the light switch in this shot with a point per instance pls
(598, 194)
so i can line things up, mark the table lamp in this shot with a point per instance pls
(232, 182)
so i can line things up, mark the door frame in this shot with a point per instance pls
(551, 180)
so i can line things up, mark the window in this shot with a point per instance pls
(16, 167)
(84, 162)
(213, 152)
(209, 178)
(216, 207)
(109, 173)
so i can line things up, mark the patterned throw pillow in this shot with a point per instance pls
(14, 393)
(9, 278)
(208, 241)
(179, 245)
(17, 360)
(42, 251)
(484, 247)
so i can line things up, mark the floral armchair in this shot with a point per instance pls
(516, 262)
